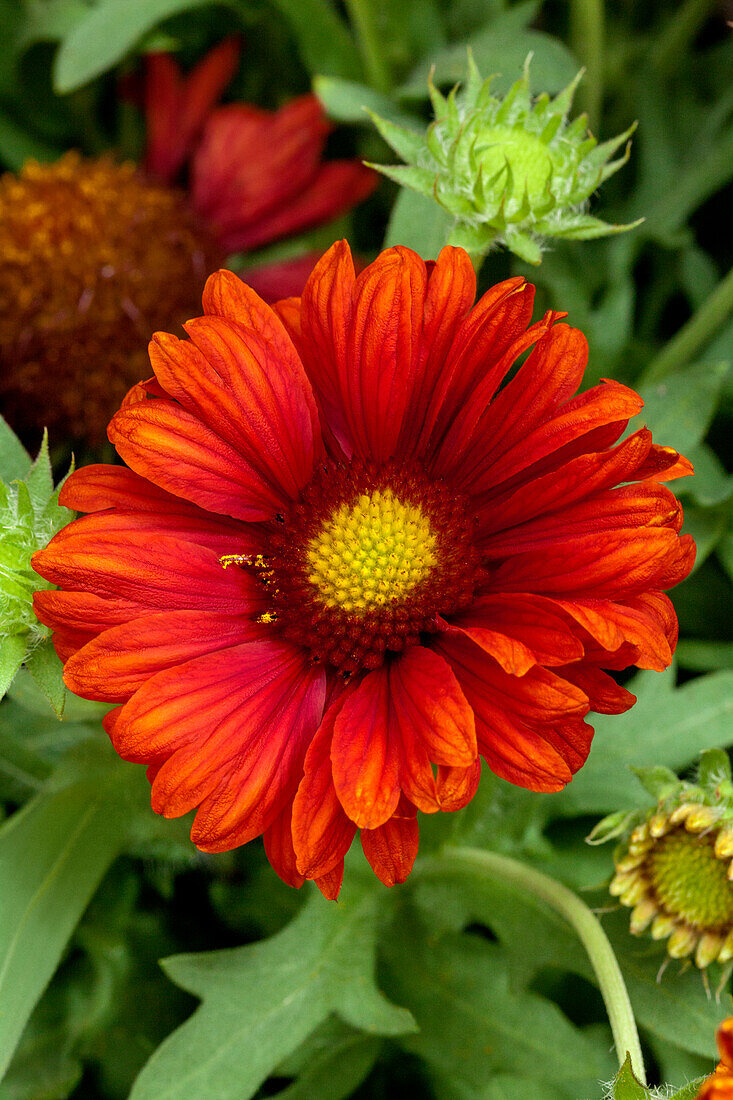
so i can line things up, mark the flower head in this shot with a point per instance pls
(510, 170)
(675, 871)
(93, 258)
(719, 1086)
(95, 255)
(349, 558)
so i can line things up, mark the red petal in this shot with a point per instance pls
(457, 786)
(121, 659)
(365, 759)
(646, 621)
(543, 635)
(279, 849)
(525, 726)
(187, 523)
(322, 833)
(250, 390)
(391, 849)
(397, 720)
(176, 107)
(605, 695)
(82, 611)
(284, 280)
(330, 884)
(339, 185)
(161, 573)
(235, 725)
(616, 564)
(174, 450)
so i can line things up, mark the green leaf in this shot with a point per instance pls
(330, 1065)
(626, 1086)
(46, 669)
(40, 478)
(15, 462)
(347, 101)
(502, 48)
(12, 652)
(667, 726)
(473, 1020)
(324, 42)
(53, 854)
(261, 1002)
(679, 408)
(419, 223)
(17, 146)
(704, 656)
(106, 34)
(714, 767)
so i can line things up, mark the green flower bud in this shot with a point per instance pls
(511, 171)
(674, 867)
(29, 516)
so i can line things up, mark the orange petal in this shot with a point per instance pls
(278, 840)
(391, 849)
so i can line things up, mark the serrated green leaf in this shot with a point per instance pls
(473, 1020)
(668, 726)
(658, 781)
(46, 669)
(12, 652)
(408, 144)
(40, 478)
(15, 462)
(714, 767)
(108, 31)
(262, 1001)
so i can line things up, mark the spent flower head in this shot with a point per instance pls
(511, 170)
(674, 866)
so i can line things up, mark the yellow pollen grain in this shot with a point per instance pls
(371, 552)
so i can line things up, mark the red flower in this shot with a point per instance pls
(349, 558)
(256, 175)
(719, 1086)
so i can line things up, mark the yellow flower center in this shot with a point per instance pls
(690, 881)
(526, 154)
(371, 552)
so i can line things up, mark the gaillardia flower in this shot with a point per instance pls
(354, 552)
(719, 1086)
(95, 255)
(675, 868)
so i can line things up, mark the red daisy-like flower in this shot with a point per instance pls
(719, 1086)
(354, 552)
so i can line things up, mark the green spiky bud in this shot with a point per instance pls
(30, 515)
(512, 170)
(674, 866)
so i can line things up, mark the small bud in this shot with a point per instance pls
(659, 824)
(724, 843)
(681, 943)
(726, 952)
(663, 925)
(510, 170)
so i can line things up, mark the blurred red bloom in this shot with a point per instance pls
(719, 1086)
(255, 175)
(350, 558)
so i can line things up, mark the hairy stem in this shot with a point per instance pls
(577, 914)
(693, 336)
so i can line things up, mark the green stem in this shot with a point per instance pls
(587, 35)
(576, 913)
(693, 336)
(361, 14)
(678, 33)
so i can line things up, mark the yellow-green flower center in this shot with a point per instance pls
(527, 156)
(371, 552)
(690, 881)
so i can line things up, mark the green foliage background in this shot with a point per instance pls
(451, 987)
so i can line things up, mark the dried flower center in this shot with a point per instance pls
(527, 156)
(370, 552)
(367, 561)
(690, 881)
(93, 258)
